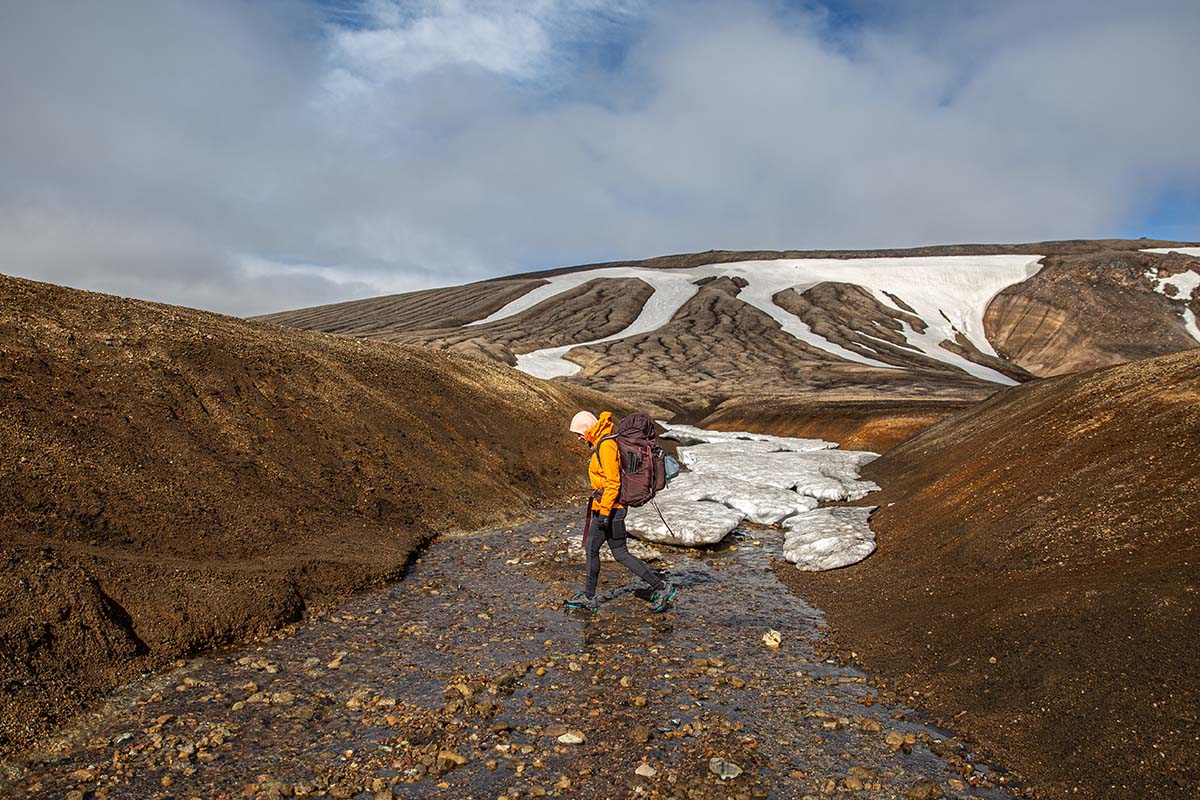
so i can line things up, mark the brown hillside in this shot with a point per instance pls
(172, 480)
(1038, 578)
(1091, 306)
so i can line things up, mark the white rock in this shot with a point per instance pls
(694, 523)
(725, 770)
(828, 538)
(571, 737)
(772, 638)
(646, 771)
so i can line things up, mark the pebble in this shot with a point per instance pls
(646, 771)
(725, 770)
(571, 737)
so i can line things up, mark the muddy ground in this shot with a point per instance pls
(1037, 580)
(469, 680)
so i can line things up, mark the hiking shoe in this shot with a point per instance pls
(661, 599)
(581, 602)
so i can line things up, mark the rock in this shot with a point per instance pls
(448, 760)
(646, 771)
(772, 638)
(924, 789)
(571, 737)
(640, 734)
(725, 770)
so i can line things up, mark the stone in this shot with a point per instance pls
(646, 771)
(572, 738)
(772, 638)
(725, 770)
(924, 789)
(448, 760)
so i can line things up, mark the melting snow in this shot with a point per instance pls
(1186, 251)
(828, 538)
(1184, 284)
(950, 293)
(767, 480)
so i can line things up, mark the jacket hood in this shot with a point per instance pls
(603, 427)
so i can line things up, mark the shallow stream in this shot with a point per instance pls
(469, 680)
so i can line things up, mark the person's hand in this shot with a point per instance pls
(605, 521)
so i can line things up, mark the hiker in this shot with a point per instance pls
(607, 516)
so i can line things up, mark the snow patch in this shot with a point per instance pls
(767, 480)
(828, 538)
(691, 523)
(687, 434)
(1184, 285)
(950, 293)
(1185, 251)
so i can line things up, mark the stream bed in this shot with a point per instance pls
(469, 680)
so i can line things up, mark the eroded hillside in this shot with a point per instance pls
(691, 333)
(1037, 577)
(172, 479)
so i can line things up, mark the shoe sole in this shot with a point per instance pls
(576, 607)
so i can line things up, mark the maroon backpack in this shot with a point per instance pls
(643, 465)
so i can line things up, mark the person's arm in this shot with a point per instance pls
(610, 467)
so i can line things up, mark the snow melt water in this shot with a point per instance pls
(734, 477)
(950, 293)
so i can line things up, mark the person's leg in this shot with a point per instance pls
(595, 540)
(621, 552)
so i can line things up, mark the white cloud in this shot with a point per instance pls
(159, 150)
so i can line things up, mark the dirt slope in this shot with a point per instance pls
(171, 479)
(1038, 578)
(1092, 305)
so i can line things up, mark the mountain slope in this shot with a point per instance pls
(690, 333)
(1038, 578)
(172, 479)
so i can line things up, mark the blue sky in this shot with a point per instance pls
(247, 157)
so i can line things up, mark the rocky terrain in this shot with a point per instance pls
(697, 334)
(468, 681)
(1037, 578)
(172, 480)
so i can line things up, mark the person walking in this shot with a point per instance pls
(607, 517)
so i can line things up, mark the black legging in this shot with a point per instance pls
(614, 534)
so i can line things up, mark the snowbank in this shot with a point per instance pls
(828, 538)
(950, 293)
(767, 480)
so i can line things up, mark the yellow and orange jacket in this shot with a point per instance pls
(604, 467)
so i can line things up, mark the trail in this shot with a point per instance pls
(468, 680)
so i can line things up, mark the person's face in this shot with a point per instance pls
(583, 440)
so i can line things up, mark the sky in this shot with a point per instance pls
(247, 156)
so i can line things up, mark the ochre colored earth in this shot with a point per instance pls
(1037, 579)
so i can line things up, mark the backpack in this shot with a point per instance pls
(645, 469)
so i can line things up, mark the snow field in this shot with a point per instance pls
(950, 293)
(734, 477)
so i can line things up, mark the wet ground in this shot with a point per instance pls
(468, 680)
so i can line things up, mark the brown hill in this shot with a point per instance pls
(1038, 578)
(171, 479)
(1091, 305)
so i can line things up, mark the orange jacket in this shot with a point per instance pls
(604, 468)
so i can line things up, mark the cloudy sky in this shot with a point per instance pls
(247, 156)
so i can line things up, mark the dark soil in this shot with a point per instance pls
(1037, 580)
(172, 480)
